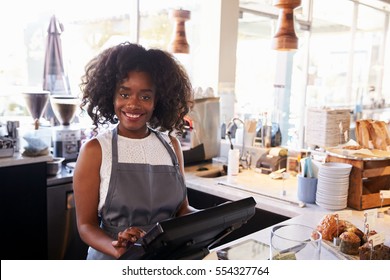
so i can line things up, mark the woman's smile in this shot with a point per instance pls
(132, 116)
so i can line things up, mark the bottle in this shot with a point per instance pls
(266, 132)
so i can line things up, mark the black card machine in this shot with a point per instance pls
(189, 237)
(269, 163)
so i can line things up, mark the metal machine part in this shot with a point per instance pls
(270, 163)
(201, 140)
(66, 141)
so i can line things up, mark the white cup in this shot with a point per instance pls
(233, 162)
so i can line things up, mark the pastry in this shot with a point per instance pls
(358, 232)
(349, 243)
(379, 252)
(328, 227)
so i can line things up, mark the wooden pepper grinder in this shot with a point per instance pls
(285, 38)
(179, 42)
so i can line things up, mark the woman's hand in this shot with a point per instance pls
(128, 236)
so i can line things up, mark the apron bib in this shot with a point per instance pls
(140, 195)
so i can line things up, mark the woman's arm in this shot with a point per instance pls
(185, 208)
(86, 185)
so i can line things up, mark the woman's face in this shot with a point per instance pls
(134, 102)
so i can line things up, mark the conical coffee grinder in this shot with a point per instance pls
(36, 104)
(67, 136)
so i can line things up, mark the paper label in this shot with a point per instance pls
(370, 217)
(377, 239)
(384, 194)
(370, 213)
(344, 215)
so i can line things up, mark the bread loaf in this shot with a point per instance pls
(373, 134)
(363, 135)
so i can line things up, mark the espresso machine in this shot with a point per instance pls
(67, 136)
(201, 138)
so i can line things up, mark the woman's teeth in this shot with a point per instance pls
(132, 115)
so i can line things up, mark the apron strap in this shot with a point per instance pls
(175, 161)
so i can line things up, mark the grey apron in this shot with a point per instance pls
(140, 195)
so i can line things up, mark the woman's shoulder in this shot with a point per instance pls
(98, 142)
(170, 139)
(104, 133)
(90, 147)
(104, 137)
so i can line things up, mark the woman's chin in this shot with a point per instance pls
(133, 131)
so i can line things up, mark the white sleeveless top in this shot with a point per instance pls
(148, 150)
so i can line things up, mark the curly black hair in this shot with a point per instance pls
(105, 72)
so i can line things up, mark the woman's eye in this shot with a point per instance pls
(145, 97)
(124, 95)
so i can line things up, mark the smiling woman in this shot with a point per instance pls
(146, 92)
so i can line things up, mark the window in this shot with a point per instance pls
(259, 68)
(341, 60)
(88, 29)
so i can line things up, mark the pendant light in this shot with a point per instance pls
(285, 38)
(179, 42)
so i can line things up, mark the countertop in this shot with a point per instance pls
(268, 194)
(65, 176)
(19, 159)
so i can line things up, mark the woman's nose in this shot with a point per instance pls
(132, 101)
